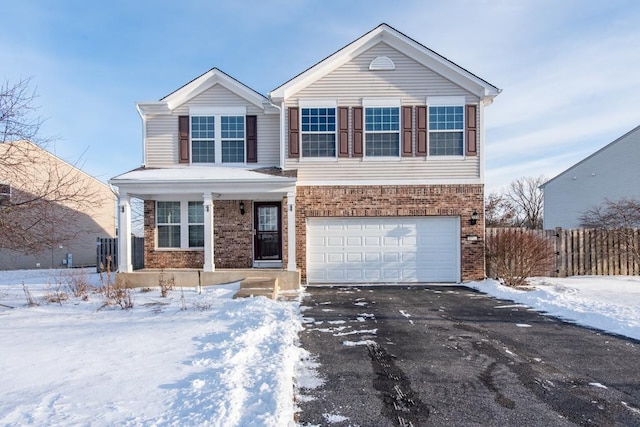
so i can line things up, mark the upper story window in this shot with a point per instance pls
(318, 131)
(446, 126)
(218, 135)
(203, 139)
(382, 131)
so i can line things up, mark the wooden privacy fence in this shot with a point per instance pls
(589, 251)
(108, 247)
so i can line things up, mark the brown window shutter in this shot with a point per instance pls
(472, 130)
(421, 129)
(343, 131)
(407, 131)
(183, 139)
(357, 131)
(294, 133)
(252, 139)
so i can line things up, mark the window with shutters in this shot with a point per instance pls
(180, 224)
(318, 132)
(446, 126)
(382, 131)
(218, 138)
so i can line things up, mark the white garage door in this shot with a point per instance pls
(383, 250)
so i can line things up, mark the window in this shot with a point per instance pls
(196, 225)
(446, 130)
(217, 135)
(318, 127)
(382, 131)
(168, 221)
(203, 139)
(180, 224)
(232, 139)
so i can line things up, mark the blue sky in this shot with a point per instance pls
(568, 68)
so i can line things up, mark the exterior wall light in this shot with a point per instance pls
(474, 218)
(242, 208)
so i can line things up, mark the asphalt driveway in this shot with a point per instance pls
(428, 355)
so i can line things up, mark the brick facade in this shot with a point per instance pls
(233, 237)
(234, 232)
(390, 201)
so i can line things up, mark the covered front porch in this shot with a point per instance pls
(210, 225)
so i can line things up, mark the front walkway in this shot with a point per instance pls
(424, 355)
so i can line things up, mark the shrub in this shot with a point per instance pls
(114, 293)
(78, 284)
(166, 284)
(514, 255)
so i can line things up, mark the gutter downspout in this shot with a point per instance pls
(144, 135)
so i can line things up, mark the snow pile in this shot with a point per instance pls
(610, 303)
(220, 362)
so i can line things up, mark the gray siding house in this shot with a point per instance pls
(611, 173)
(365, 168)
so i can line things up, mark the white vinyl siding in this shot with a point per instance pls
(411, 83)
(162, 131)
(383, 250)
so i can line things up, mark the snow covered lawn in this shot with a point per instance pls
(220, 362)
(610, 303)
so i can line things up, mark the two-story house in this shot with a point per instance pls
(365, 168)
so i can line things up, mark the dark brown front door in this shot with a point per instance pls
(268, 226)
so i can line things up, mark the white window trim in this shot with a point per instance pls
(184, 224)
(446, 101)
(217, 113)
(317, 103)
(306, 104)
(381, 103)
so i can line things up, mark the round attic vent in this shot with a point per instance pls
(382, 63)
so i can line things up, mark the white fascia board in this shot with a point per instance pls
(403, 44)
(327, 65)
(199, 187)
(207, 81)
(153, 108)
(442, 66)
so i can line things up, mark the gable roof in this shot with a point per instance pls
(394, 38)
(606, 147)
(200, 84)
(28, 149)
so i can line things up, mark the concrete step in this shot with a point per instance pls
(258, 286)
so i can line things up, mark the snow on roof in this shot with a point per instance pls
(197, 173)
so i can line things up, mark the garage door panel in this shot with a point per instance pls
(385, 249)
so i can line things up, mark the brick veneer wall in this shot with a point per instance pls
(233, 237)
(374, 201)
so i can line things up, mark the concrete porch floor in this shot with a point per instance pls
(287, 280)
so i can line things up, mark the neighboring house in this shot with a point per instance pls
(366, 167)
(610, 173)
(49, 209)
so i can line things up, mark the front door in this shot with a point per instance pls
(268, 236)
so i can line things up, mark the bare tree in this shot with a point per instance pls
(622, 217)
(499, 212)
(40, 196)
(525, 196)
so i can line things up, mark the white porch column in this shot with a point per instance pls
(124, 234)
(209, 264)
(291, 231)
